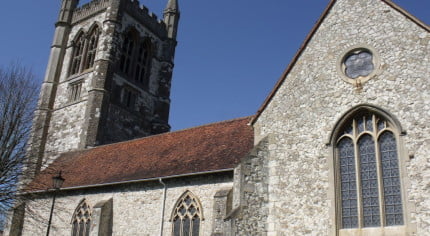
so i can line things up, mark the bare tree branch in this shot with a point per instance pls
(18, 96)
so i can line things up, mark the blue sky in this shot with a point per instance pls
(230, 52)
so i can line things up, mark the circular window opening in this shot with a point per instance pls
(358, 63)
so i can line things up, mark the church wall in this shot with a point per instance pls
(314, 97)
(136, 207)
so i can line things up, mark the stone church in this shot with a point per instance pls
(340, 146)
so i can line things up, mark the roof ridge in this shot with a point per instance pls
(157, 135)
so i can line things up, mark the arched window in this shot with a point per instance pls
(78, 54)
(368, 173)
(81, 220)
(186, 216)
(128, 46)
(84, 50)
(92, 47)
(143, 61)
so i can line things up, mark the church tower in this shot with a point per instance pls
(108, 77)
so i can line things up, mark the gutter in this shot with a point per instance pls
(136, 181)
(163, 207)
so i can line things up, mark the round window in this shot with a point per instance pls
(358, 63)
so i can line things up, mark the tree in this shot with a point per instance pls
(18, 96)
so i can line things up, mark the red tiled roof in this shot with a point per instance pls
(212, 147)
(309, 38)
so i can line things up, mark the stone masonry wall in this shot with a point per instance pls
(136, 207)
(313, 98)
(253, 211)
(66, 128)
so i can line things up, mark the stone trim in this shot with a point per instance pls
(408, 228)
(358, 82)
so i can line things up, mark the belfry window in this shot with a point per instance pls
(136, 56)
(84, 51)
(92, 47)
(78, 54)
(81, 221)
(368, 174)
(143, 63)
(127, 52)
(186, 216)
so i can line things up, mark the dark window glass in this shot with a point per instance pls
(78, 52)
(348, 183)
(92, 48)
(196, 226)
(359, 64)
(369, 181)
(391, 179)
(369, 174)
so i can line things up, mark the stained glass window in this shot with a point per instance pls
(81, 221)
(369, 181)
(391, 179)
(187, 216)
(359, 63)
(369, 175)
(348, 183)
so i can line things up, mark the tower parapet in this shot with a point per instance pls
(90, 9)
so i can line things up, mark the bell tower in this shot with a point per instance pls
(108, 77)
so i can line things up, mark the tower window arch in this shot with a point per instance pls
(84, 50)
(128, 46)
(143, 63)
(81, 220)
(367, 170)
(93, 40)
(78, 54)
(187, 216)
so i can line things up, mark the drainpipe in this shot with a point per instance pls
(163, 206)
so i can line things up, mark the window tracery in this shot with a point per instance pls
(84, 50)
(136, 56)
(81, 221)
(367, 161)
(92, 47)
(187, 216)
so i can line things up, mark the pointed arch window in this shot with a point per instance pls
(143, 61)
(84, 50)
(187, 216)
(78, 54)
(127, 52)
(92, 47)
(81, 221)
(368, 174)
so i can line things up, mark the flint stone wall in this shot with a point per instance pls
(136, 208)
(313, 98)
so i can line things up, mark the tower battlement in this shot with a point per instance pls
(144, 16)
(89, 9)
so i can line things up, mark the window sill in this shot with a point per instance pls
(392, 231)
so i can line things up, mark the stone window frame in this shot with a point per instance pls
(74, 91)
(358, 82)
(82, 213)
(408, 228)
(89, 43)
(129, 97)
(177, 207)
(130, 59)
